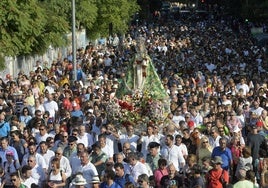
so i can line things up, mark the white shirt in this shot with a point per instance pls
(132, 140)
(47, 156)
(173, 154)
(145, 141)
(86, 139)
(64, 166)
(177, 119)
(89, 171)
(39, 160)
(138, 169)
(29, 181)
(40, 138)
(108, 150)
(38, 174)
(52, 107)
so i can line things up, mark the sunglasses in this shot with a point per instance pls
(71, 144)
(41, 129)
(205, 142)
(30, 161)
(58, 153)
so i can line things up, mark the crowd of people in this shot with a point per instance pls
(55, 132)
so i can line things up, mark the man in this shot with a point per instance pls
(243, 183)
(51, 106)
(256, 142)
(136, 167)
(105, 148)
(172, 179)
(84, 137)
(143, 181)
(42, 135)
(98, 157)
(39, 158)
(129, 137)
(37, 118)
(71, 148)
(173, 153)
(217, 176)
(63, 142)
(45, 152)
(225, 153)
(87, 168)
(16, 180)
(186, 139)
(145, 139)
(64, 163)
(214, 137)
(108, 180)
(27, 179)
(121, 177)
(75, 161)
(37, 171)
(119, 158)
(153, 156)
(4, 126)
(5, 147)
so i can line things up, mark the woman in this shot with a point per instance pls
(160, 172)
(245, 160)
(56, 178)
(204, 150)
(36, 90)
(26, 134)
(25, 116)
(18, 143)
(236, 149)
(10, 166)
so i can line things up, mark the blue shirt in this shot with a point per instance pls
(226, 156)
(4, 151)
(123, 180)
(114, 185)
(4, 129)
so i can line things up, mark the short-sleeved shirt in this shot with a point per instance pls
(226, 156)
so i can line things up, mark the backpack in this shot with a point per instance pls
(221, 178)
(14, 163)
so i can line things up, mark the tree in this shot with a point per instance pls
(115, 12)
(30, 26)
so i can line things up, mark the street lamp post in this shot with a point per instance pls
(73, 40)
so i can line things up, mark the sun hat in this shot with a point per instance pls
(79, 180)
(95, 179)
(216, 160)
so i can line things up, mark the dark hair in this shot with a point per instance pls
(25, 168)
(110, 174)
(96, 145)
(171, 137)
(197, 169)
(162, 161)
(102, 136)
(43, 142)
(56, 161)
(120, 165)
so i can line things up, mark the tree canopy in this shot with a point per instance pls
(29, 27)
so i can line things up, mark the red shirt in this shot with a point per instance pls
(214, 176)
